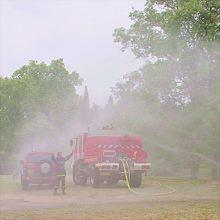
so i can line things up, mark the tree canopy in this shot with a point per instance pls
(173, 99)
(37, 97)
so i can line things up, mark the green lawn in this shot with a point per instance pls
(193, 199)
(205, 210)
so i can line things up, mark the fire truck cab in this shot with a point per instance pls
(99, 157)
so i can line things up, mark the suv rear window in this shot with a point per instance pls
(36, 158)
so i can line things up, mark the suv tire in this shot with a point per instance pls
(45, 167)
(24, 184)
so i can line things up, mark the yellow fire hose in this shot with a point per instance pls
(127, 172)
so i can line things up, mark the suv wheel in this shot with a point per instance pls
(24, 184)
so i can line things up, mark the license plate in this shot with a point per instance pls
(104, 174)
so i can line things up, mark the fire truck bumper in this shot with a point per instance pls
(109, 168)
(140, 166)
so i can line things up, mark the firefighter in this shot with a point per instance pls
(60, 173)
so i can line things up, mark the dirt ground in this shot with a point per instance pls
(158, 198)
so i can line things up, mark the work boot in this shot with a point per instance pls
(55, 193)
(63, 191)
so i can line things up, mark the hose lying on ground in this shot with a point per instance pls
(127, 178)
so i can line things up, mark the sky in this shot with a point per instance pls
(79, 31)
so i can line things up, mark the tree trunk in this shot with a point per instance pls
(215, 171)
(194, 167)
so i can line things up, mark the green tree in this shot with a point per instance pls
(165, 100)
(164, 25)
(36, 104)
(85, 112)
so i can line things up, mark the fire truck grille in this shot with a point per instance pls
(115, 146)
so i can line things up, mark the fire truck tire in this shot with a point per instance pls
(135, 180)
(79, 178)
(113, 180)
(95, 178)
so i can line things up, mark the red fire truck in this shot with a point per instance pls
(99, 157)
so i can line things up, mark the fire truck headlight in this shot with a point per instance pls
(115, 167)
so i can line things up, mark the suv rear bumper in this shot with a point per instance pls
(39, 180)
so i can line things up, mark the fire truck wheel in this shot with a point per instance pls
(79, 177)
(136, 179)
(95, 179)
(113, 180)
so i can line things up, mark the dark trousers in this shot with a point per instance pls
(60, 180)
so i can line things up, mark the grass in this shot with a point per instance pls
(194, 199)
(7, 183)
(205, 210)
